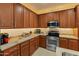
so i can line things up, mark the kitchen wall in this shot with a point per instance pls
(62, 31)
(16, 32)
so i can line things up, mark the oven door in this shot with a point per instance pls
(52, 40)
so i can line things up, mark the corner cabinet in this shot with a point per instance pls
(43, 21)
(33, 20)
(42, 41)
(6, 15)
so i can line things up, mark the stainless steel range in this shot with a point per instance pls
(52, 40)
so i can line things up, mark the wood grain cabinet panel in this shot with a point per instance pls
(33, 20)
(34, 44)
(52, 16)
(18, 16)
(26, 18)
(74, 44)
(25, 48)
(42, 41)
(43, 21)
(67, 19)
(63, 42)
(6, 15)
(32, 47)
(77, 16)
(13, 51)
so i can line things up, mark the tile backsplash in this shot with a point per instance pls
(68, 31)
(62, 31)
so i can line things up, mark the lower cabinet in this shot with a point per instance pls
(42, 41)
(72, 44)
(63, 42)
(25, 48)
(34, 44)
(13, 51)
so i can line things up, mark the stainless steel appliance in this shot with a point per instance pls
(53, 23)
(52, 40)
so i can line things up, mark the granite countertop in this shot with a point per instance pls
(20, 40)
(68, 36)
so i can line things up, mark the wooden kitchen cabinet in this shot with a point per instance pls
(63, 43)
(34, 44)
(13, 51)
(43, 21)
(45, 18)
(18, 16)
(25, 48)
(52, 16)
(26, 18)
(42, 41)
(33, 20)
(67, 19)
(6, 15)
(74, 44)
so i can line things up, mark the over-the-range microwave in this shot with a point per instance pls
(53, 23)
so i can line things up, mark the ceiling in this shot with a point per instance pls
(41, 8)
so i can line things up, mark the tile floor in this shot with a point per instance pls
(44, 52)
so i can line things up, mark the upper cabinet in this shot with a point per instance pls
(77, 16)
(42, 21)
(45, 18)
(53, 16)
(67, 19)
(33, 20)
(6, 15)
(18, 16)
(26, 18)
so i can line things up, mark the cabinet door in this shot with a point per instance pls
(67, 19)
(26, 18)
(49, 16)
(43, 21)
(14, 51)
(42, 41)
(31, 20)
(53, 16)
(18, 16)
(25, 48)
(74, 44)
(6, 15)
(77, 16)
(35, 21)
(63, 43)
(32, 47)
